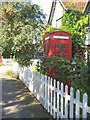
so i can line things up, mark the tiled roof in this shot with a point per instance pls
(79, 4)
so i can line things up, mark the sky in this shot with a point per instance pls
(45, 5)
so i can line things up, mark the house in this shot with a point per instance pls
(87, 42)
(57, 12)
(58, 6)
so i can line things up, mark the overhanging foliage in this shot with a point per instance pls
(22, 24)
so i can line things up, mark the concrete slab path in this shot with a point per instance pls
(17, 101)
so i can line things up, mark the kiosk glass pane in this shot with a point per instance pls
(61, 45)
(67, 49)
(46, 49)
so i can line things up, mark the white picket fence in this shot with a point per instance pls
(50, 93)
(6, 61)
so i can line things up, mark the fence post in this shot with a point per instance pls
(61, 100)
(57, 99)
(51, 96)
(54, 95)
(46, 92)
(77, 103)
(71, 102)
(66, 101)
(84, 106)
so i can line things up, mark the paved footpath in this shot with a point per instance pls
(17, 100)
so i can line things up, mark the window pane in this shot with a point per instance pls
(46, 46)
(54, 52)
(58, 56)
(67, 49)
(61, 51)
(55, 45)
(61, 45)
(46, 49)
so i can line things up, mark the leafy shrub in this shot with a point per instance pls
(24, 60)
(1, 63)
(58, 68)
(63, 70)
(13, 74)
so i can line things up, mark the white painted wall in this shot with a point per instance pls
(87, 42)
(57, 14)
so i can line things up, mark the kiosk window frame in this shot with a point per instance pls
(61, 49)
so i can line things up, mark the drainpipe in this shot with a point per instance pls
(87, 42)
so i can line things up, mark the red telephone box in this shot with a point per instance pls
(58, 43)
(0, 59)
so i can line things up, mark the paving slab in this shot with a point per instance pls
(18, 101)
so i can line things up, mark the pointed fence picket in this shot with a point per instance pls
(58, 99)
(52, 96)
(45, 92)
(48, 93)
(60, 103)
(71, 102)
(66, 101)
(85, 105)
(77, 104)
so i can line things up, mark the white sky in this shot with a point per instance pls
(45, 5)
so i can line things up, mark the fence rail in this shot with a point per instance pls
(51, 95)
(6, 61)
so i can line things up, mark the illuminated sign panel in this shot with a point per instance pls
(60, 37)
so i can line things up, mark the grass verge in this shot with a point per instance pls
(13, 74)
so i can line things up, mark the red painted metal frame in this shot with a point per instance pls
(51, 42)
(0, 59)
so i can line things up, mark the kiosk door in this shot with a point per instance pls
(61, 49)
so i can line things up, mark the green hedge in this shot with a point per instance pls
(13, 74)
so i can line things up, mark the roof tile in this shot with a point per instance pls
(78, 4)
